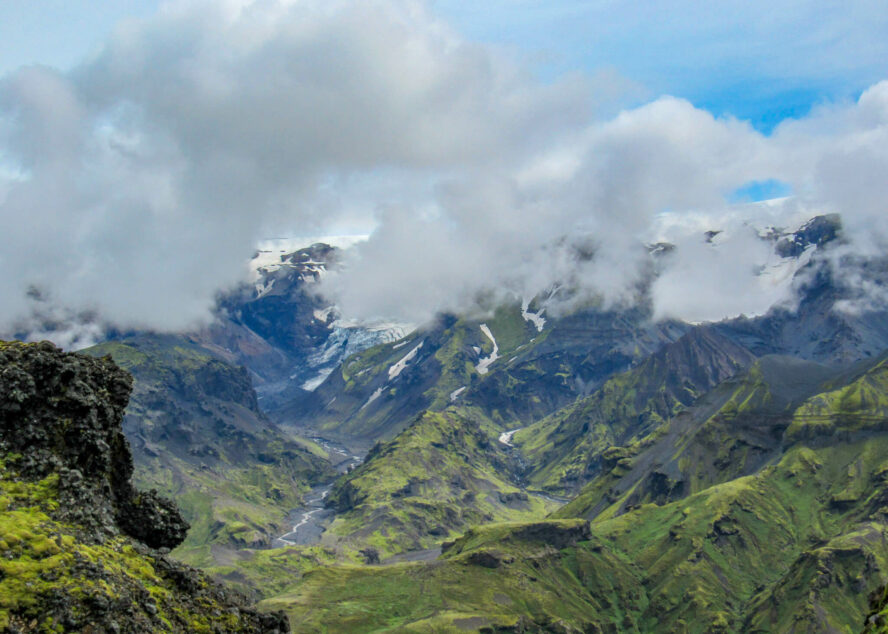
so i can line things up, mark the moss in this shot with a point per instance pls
(861, 405)
(771, 551)
(437, 477)
(52, 580)
(566, 449)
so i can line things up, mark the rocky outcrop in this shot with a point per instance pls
(79, 540)
(61, 413)
(817, 231)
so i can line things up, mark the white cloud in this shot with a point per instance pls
(153, 169)
(143, 178)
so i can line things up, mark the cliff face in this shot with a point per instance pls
(78, 540)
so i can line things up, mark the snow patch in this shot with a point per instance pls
(455, 393)
(262, 287)
(375, 395)
(269, 252)
(396, 369)
(485, 363)
(399, 345)
(536, 319)
(314, 383)
(506, 436)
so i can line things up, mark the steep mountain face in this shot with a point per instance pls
(511, 367)
(571, 357)
(375, 394)
(282, 331)
(197, 433)
(77, 538)
(834, 323)
(730, 432)
(565, 450)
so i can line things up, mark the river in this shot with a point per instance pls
(311, 520)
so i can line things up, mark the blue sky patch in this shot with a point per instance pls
(754, 191)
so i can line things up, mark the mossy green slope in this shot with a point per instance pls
(53, 580)
(773, 552)
(504, 578)
(439, 476)
(198, 435)
(846, 407)
(788, 540)
(565, 449)
(731, 431)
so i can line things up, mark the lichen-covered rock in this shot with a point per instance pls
(77, 540)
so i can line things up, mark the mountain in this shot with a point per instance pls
(723, 477)
(730, 432)
(565, 449)
(440, 476)
(282, 331)
(197, 434)
(787, 535)
(834, 322)
(83, 550)
(513, 366)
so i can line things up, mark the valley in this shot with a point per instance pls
(310, 521)
(436, 317)
(520, 471)
(471, 442)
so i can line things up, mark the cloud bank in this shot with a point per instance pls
(135, 186)
(660, 172)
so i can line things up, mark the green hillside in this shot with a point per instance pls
(198, 435)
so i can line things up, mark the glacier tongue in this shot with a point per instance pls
(347, 338)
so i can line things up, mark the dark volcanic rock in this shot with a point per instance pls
(485, 559)
(554, 534)
(62, 413)
(817, 231)
(65, 469)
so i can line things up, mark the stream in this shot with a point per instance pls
(506, 439)
(311, 520)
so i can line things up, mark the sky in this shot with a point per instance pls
(758, 61)
(146, 148)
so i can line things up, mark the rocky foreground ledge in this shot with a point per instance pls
(80, 548)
